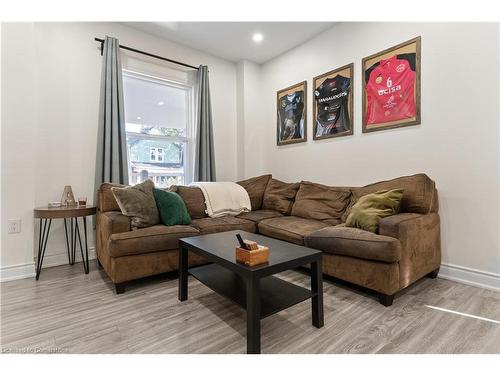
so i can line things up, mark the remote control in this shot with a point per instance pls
(240, 240)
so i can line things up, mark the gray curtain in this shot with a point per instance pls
(111, 160)
(204, 160)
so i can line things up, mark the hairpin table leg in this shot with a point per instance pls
(42, 244)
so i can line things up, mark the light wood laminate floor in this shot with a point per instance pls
(69, 312)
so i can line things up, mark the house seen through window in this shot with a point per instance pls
(157, 115)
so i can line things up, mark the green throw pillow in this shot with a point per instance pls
(369, 209)
(172, 208)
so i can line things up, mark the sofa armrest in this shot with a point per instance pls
(420, 239)
(113, 222)
(107, 224)
(393, 225)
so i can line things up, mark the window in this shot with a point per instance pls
(158, 118)
(156, 154)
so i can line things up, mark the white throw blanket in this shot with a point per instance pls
(224, 198)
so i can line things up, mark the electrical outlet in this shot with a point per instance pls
(14, 225)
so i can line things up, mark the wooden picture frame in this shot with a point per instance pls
(291, 127)
(347, 72)
(409, 53)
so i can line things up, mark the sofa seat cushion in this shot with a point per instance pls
(356, 243)
(223, 224)
(259, 215)
(147, 240)
(289, 228)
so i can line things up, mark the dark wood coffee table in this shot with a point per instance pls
(253, 288)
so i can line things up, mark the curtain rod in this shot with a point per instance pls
(147, 54)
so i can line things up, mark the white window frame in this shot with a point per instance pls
(188, 139)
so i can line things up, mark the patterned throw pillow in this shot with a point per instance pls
(138, 202)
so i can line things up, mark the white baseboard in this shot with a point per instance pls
(17, 271)
(470, 276)
(24, 271)
(52, 260)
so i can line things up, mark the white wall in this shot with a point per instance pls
(248, 104)
(50, 81)
(457, 143)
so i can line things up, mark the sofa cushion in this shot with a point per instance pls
(193, 198)
(279, 196)
(259, 215)
(321, 202)
(289, 228)
(369, 209)
(138, 202)
(147, 240)
(223, 224)
(255, 188)
(106, 201)
(172, 208)
(419, 196)
(356, 243)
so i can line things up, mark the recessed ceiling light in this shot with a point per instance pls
(139, 117)
(160, 103)
(257, 37)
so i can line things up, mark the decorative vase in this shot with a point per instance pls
(68, 199)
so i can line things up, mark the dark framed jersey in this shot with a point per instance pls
(333, 103)
(291, 114)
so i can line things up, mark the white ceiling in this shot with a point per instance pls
(233, 40)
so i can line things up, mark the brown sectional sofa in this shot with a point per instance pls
(406, 248)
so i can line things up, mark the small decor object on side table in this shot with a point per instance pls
(68, 199)
(82, 201)
(251, 253)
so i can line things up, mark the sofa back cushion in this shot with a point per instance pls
(255, 187)
(279, 196)
(321, 202)
(419, 193)
(106, 201)
(193, 198)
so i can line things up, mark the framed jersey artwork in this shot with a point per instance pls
(291, 106)
(333, 103)
(391, 87)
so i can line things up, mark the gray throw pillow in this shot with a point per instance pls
(138, 202)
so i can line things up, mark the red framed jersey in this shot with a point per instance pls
(390, 92)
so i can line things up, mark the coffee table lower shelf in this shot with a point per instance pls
(276, 294)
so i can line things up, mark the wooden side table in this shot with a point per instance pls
(46, 214)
